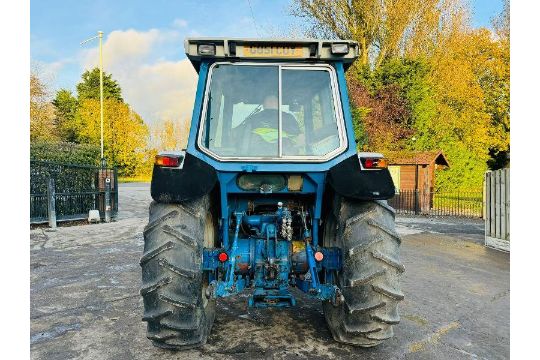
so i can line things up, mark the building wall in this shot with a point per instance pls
(395, 173)
(407, 177)
(407, 184)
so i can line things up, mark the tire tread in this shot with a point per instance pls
(370, 276)
(172, 276)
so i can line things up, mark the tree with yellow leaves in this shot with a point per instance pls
(42, 127)
(125, 134)
(383, 28)
(469, 81)
(170, 135)
(425, 74)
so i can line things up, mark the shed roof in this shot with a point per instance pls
(416, 157)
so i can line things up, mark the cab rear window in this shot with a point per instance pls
(271, 112)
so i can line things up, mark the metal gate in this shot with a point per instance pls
(497, 209)
(69, 191)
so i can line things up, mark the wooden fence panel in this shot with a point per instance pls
(497, 212)
(492, 203)
(507, 204)
(503, 204)
(498, 204)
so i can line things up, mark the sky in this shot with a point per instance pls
(143, 42)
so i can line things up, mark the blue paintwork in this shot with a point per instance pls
(262, 260)
(266, 258)
(231, 285)
(282, 167)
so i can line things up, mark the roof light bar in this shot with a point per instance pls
(199, 49)
(206, 49)
(340, 49)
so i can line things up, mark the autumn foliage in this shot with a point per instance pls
(69, 119)
(41, 111)
(425, 80)
(384, 115)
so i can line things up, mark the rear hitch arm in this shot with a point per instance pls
(314, 287)
(229, 286)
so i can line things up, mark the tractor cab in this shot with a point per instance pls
(270, 101)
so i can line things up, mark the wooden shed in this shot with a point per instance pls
(415, 172)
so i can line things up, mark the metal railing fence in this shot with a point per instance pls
(72, 190)
(438, 203)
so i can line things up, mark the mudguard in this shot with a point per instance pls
(192, 179)
(348, 179)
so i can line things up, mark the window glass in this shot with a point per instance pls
(242, 115)
(311, 126)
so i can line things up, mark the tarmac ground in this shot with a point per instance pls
(85, 301)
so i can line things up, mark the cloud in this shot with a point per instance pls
(47, 69)
(54, 67)
(49, 72)
(121, 46)
(155, 87)
(180, 23)
(163, 90)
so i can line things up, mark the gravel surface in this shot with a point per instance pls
(85, 302)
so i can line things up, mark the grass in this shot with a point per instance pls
(143, 179)
(465, 203)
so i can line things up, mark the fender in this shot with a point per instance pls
(192, 179)
(349, 179)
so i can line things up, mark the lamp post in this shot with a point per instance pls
(100, 37)
(104, 170)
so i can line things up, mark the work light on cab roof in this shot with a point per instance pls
(271, 193)
(293, 50)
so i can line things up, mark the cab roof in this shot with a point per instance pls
(304, 50)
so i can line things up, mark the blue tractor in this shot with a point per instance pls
(270, 194)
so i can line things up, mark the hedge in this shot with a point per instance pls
(64, 152)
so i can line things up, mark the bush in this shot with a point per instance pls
(64, 152)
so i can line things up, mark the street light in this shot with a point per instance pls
(103, 161)
(100, 37)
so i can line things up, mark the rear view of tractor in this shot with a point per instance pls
(271, 194)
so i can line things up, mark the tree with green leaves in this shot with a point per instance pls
(77, 120)
(424, 74)
(65, 109)
(88, 88)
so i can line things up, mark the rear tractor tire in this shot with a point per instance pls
(176, 310)
(370, 278)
